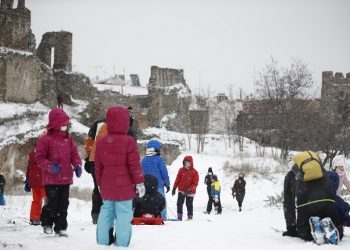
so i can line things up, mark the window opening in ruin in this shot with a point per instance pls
(15, 4)
(52, 57)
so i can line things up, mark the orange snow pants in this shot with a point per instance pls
(38, 196)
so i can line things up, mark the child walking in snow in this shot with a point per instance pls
(2, 187)
(214, 195)
(57, 155)
(118, 172)
(34, 183)
(187, 182)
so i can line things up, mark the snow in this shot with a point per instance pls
(256, 227)
(124, 90)
(4, 50)
(183, 91)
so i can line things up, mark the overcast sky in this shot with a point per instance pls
(217, 42)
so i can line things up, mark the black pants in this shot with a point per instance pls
(55, 208)
(96, 198)
(189, 204)
(217, 205)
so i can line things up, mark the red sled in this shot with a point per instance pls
(147, 221)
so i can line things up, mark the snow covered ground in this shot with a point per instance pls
(256, 227)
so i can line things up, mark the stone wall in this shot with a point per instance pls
(335, 96)
(15, 24)
(62, 44)
(168, 94)
(24, 79)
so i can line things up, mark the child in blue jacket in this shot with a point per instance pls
(153, 163)
(215, 193)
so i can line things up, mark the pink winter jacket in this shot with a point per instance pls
(343, 180)
(57, 147)
(117, 159)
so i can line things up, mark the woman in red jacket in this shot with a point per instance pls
(57, 156)
(187, 182)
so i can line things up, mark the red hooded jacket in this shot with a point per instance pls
(187, 178)
(117, 159)
(34, 173)
(57, 147)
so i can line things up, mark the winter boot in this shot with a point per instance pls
(179, 216)
(94, 217)
(330, 231)
(189, 217)
(240, 209)
(111, 236)
(35, 222)
(48, 230)
(316, 230)
(61, 233)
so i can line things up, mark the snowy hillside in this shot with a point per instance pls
(256, 227)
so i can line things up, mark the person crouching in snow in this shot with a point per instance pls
(147, 210)
(118, 171)
(57, 155)
(153, 163)
(338, 166)
(2, 187)
(34, 183)
(187, 182)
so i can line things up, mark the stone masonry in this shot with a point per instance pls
(168, 94)
(15, 24)
(62, 44)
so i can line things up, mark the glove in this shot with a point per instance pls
(167, 188)
(55, 168)
(26, 186)
(89, 165)
(173, 191)
(77, 169)
(291, 231)
(140, 189)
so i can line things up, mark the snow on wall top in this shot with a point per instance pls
(124, 90)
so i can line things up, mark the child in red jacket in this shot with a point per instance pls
(34, 183)
(187, 182)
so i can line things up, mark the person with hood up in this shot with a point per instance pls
(57, 155)
(238, 190)
(207, 181)
(339, 167)
(147, 210)
(153, 163)
(187, 181)
(118, 172)
(342, 206)
(34, 183)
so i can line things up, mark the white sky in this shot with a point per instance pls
(216, 42)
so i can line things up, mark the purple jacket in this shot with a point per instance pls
(57, 147)
(117, 159)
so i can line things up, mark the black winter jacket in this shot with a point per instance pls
(2, 184)
(298, 194)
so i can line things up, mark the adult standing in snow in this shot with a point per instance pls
(309, 199)
(118, 171)
(34, 183)
(153, 163)
(238, 190)
(339, 167)
(2, 187)
(187, 182)
(57, 155)
(207, 181)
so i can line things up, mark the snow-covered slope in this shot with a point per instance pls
(256, 227)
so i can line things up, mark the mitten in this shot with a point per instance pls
(173, 191)
(167, 188)
(141, 190)
(55, 168)
(216, 198)
(77, 169)
(26, 186)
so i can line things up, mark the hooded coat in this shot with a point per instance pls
(34, 173)
(152, 202)
(117, 159)
(57, 147)
(187, 178)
